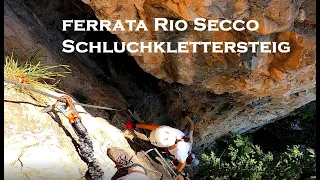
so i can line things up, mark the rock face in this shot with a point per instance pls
(35, 145)
(228, 92)
(40, 146)
(273, 16)
(24, 34)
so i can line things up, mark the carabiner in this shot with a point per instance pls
(71, 113)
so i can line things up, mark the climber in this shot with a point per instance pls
(122, 160)
(178, 144)
(191, 159)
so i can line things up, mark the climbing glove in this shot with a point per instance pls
(129, 125)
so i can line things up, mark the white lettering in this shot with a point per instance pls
(78, 25)
(256, 25)
(65, 24)
(197, 22)
(68, 43)
(78, 47)
(158, 23)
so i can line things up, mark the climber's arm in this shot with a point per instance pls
(190, 134)
(131, 125)
(191, 123)
(181, 166)
(147, 126)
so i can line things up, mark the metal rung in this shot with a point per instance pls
(156, 150)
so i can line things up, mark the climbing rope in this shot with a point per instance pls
(86, 151)
(78, 103)
(184, 100)
(56, 97)
(67, 108)
(179, 91)
(85, 143)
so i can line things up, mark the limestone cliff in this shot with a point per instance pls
(228, 92)
(39, 146)
(44, 145)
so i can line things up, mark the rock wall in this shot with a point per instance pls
(38, 146)
(115, 80)
(44, 145)
(25, 33)
(228, 92)
(35, 146)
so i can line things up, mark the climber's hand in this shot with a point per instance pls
(190, 120)
(179, 177)
(129, 112)
(129, 125)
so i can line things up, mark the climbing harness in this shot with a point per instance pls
(65, 105)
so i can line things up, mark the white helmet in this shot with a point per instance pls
(163, 136)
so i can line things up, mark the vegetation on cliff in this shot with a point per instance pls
(280, 150)
(31, 72)
(242, 159)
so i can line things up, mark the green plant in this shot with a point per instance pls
(33, 75)
(241, 159)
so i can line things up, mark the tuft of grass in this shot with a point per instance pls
(33, 75)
